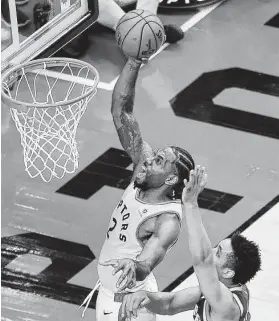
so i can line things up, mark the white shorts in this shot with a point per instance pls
(107, 309)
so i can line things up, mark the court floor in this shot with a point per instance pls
(215, 94)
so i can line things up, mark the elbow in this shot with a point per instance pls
(168, 309)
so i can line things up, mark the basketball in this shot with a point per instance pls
(140, 33)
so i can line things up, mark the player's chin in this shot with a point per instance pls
(141, 177)
(141, 183)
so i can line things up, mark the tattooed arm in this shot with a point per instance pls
(122, 111)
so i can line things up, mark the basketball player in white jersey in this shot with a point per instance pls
(146, 222)
(222, 272)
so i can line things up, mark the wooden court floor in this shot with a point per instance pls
(216, 94)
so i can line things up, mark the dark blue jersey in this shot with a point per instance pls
(241, 297)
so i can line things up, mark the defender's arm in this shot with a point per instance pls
(216, 293)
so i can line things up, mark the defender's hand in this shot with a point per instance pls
(196, 184)
(128, 267)
(131, 304)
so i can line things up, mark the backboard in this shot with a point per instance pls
(39, 28)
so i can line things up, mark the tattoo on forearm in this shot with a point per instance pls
(122, 109)
(129, 135)
(127, 102)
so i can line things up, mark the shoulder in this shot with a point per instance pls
(241, 299)
(130, 190)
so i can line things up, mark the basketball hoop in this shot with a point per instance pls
(47, 98)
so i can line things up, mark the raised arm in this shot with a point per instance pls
(216, 293)
(122, 112)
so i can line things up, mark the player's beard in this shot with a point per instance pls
(141, 180)
(141, 185)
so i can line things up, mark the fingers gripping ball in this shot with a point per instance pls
(140, 33)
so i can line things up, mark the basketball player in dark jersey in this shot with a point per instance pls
(222, 272)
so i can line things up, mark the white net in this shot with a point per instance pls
(47, 100)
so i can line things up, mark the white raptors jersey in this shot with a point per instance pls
(122, 236)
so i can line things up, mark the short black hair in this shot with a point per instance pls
(245, 259)
(184, 164)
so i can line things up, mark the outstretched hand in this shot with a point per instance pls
(131, 304)
(128, 267)
(195, 185)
